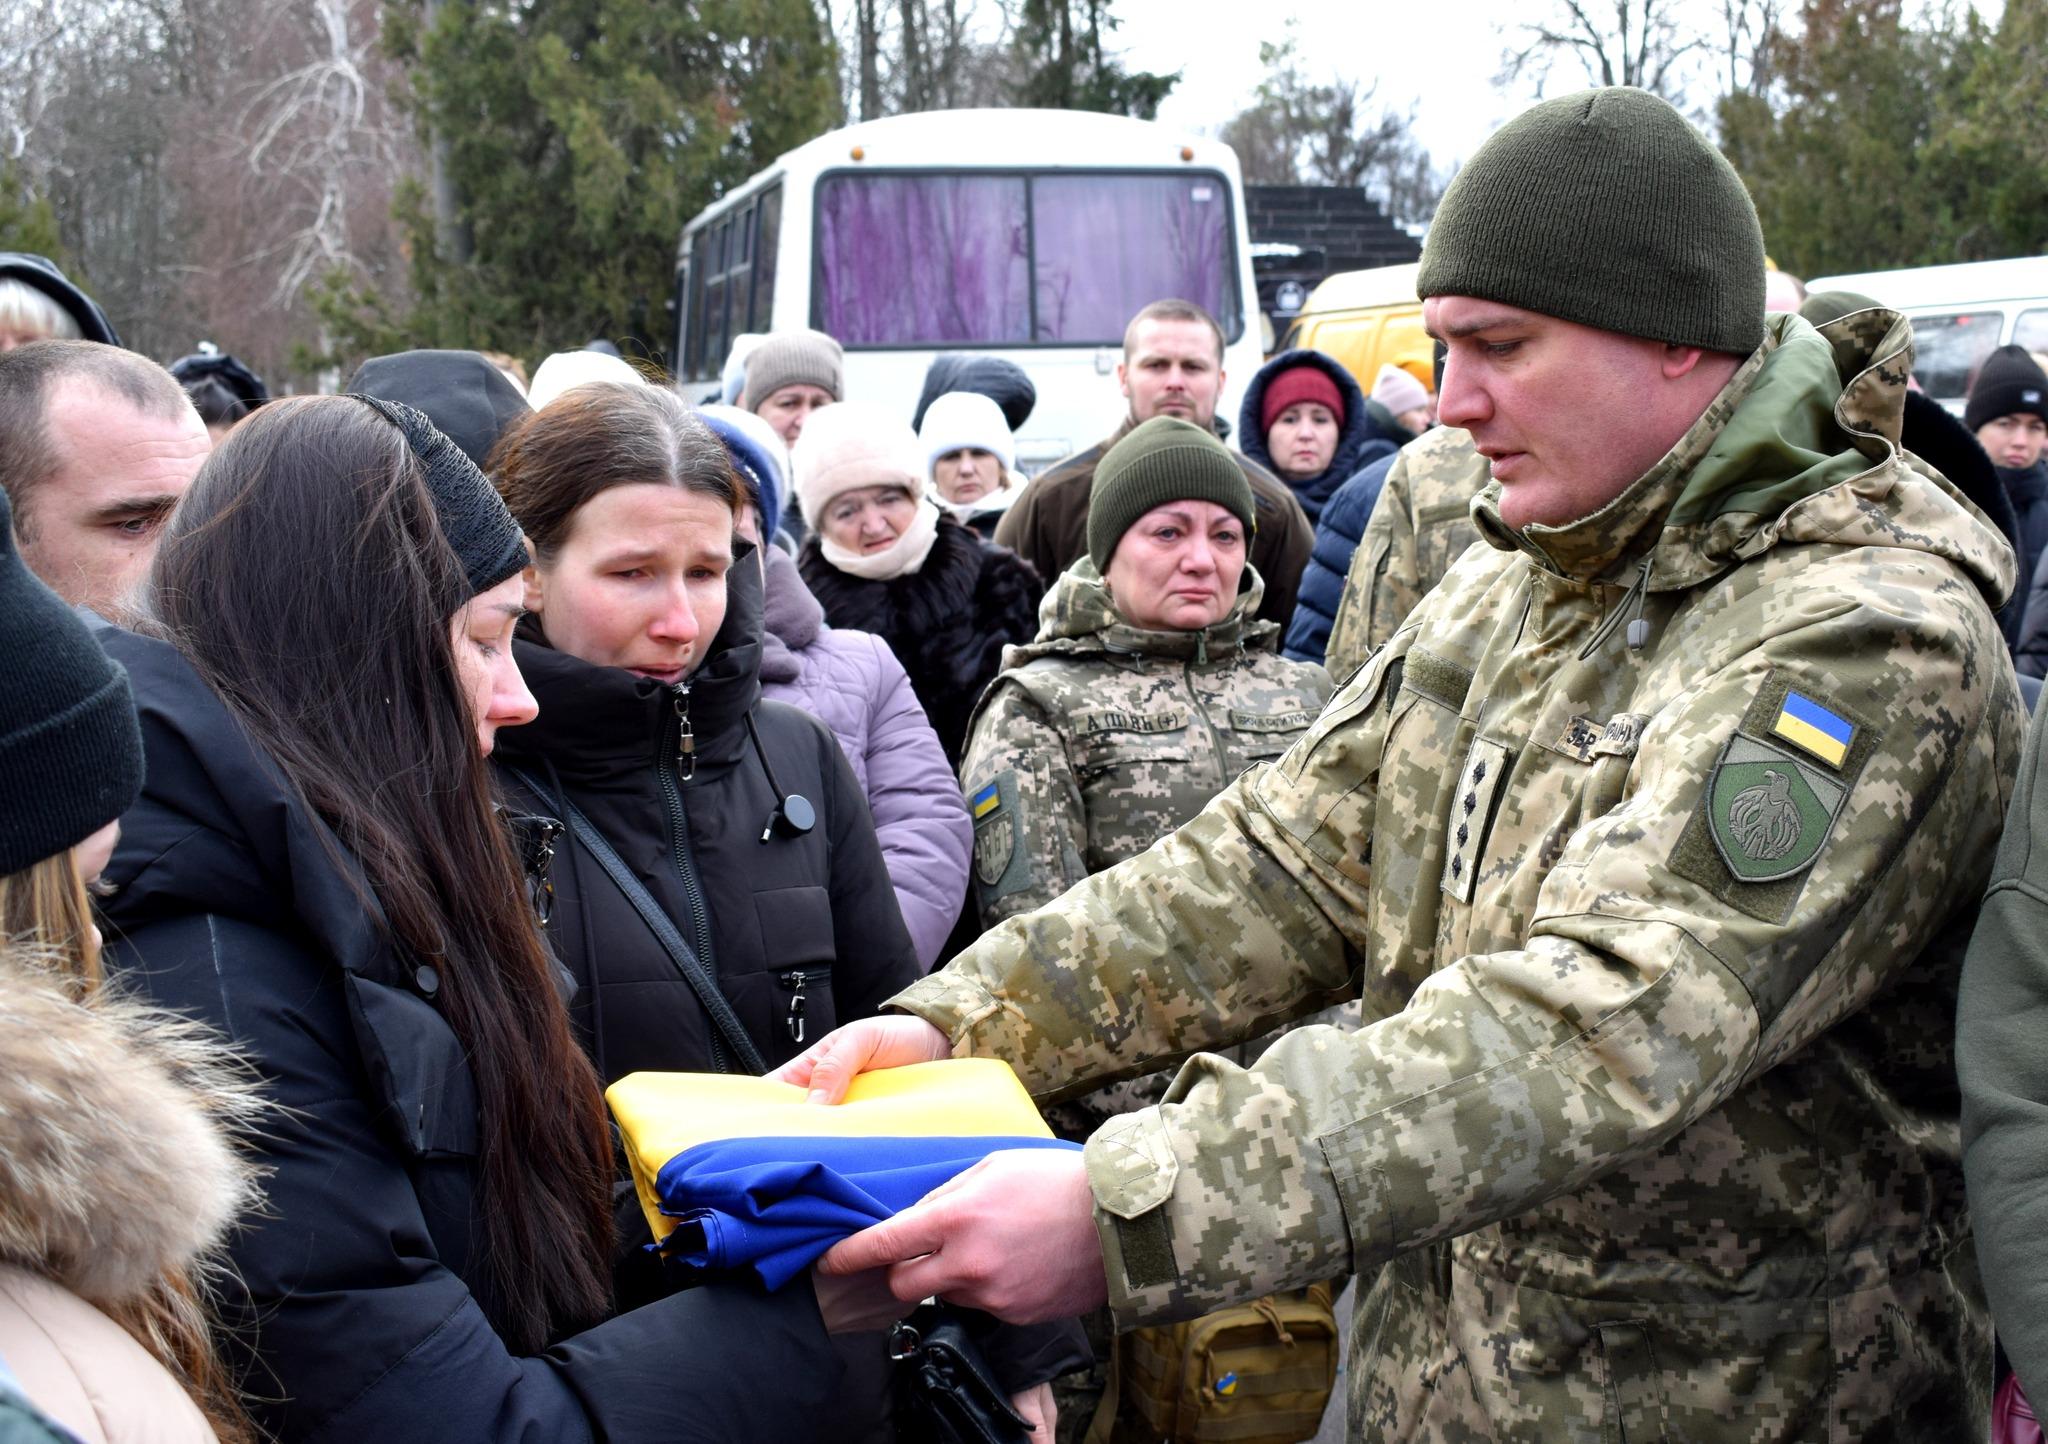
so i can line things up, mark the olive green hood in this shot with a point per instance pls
(1801, 446)
(1079, 617)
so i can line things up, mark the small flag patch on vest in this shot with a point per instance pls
(1805, 723)
(987, 800)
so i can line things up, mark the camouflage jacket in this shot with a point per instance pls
(1651, 1131)
(1420, 524)
(1099, 738)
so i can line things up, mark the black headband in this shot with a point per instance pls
(473, 516)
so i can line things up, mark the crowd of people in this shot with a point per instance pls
(1511, 832)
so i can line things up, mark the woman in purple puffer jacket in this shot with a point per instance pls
(853, 683)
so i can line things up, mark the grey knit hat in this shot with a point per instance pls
(794, 358)
(1161, 460)
(70, 749)
(1609, 209)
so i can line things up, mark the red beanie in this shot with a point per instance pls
(1295, 385)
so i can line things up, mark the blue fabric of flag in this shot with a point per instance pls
(773, 1205)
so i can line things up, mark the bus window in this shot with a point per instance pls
(921, 260)
(2031, 331)
(1949, 349)
(761, 314)
(716, 336)
(1106, 245)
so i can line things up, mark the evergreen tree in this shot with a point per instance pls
(27, 223)
(1879, 143)
(580, 136)
(1062, 64)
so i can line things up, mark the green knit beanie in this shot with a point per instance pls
(1606, 208)
(1164, 459)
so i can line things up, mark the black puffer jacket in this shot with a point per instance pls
(351, 1303)
(802, 931)
(947, 622)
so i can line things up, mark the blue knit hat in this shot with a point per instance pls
(757, 453)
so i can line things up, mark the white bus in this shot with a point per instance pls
(1960, 315)
(1028, 234)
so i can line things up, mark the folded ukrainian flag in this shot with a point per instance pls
(743, 1173)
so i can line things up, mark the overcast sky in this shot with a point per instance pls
(1404, 46)
(1440, 54)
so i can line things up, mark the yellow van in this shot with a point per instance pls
(1364, 318)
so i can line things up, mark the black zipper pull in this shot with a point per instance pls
(794, 1020)
(686, 739)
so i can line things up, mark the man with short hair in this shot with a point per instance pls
(97, 445)
(1172, 366)
(1649, 843)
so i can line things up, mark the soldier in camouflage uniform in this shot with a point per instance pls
(1102, 736)
(1114, 727)
(1420, 524)
(1650, 841)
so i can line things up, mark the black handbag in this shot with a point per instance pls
(945, 1393)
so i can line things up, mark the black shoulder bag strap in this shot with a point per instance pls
(726, 1025)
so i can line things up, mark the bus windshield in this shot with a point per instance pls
(1015, 259)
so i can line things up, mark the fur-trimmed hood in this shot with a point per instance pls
(117, 1159)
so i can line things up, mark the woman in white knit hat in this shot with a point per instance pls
(884, 558)
(971, 458)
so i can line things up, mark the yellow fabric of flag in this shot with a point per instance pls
(662, 1114)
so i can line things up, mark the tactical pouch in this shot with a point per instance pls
(1257, 1373)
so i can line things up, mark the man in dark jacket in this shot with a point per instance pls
(97, 445)
(1172, 366)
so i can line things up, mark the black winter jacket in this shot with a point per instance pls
(802, 931)
(352, 1303)
(947, 622)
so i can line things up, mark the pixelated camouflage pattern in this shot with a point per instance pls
(1626, 1151)
(1117, 735)
(1420, 524)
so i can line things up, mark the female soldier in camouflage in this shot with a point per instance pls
(1150, 685)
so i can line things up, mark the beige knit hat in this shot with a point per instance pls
(849, 446)
(1396, 390)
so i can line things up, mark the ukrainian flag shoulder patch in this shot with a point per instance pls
(1813, 728)
(987, 800)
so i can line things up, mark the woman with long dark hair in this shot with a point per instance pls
(316, 866)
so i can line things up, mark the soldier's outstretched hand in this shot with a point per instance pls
(1014, 1236)
(831, 1063)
